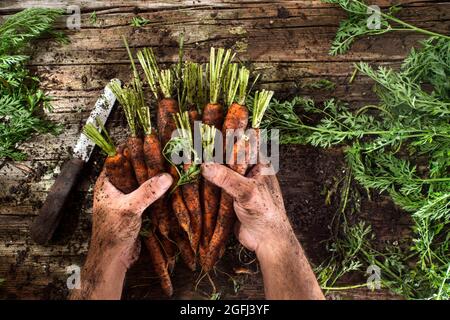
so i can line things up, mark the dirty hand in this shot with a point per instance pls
(117, 216)
(258, 204)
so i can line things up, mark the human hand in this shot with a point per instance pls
(117, 216)
(264, 228)
(258, 204)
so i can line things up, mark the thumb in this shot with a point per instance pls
(232, 182)
(149, 192)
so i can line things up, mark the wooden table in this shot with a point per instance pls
(286, 41)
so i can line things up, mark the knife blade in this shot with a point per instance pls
(52, 210)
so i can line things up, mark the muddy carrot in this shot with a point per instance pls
(213, 115)
(184, 246)
(145, 153)
(260, 104)
(226, 217)
(236, 119)
(162, 85)
(167, 108)
(154, 161)
(169, 248)
(118, 169)
(188, 172)
(191, 195)
(178, 206)
(159, 263)
(131, 99)
(190, 191)
(211, 194)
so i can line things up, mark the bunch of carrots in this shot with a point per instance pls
(194, 220)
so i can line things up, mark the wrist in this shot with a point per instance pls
(278, 243)
(111, 251)
(102, 276)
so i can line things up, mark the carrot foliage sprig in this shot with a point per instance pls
(183, 143)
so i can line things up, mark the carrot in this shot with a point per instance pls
(186, 252)
(136, 148)
(120, 173)
(260, 104)
(191, 197)
(146, 159)
(211, 198)
(226, 217)
(118, 169)
(236, 119)
(210, 192)
(169, 251)
(167, 108)
(132, 98)
(213, 112)
(213, 115)
(193, 117)
(190, 191)
(154, 161)
(159, 263)
(188, 179)
(153, 154)
(178, 206)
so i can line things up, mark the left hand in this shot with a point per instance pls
(117, 217)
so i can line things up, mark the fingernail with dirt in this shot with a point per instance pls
(163, 181)
(208, 169)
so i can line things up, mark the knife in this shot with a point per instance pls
(51, 212)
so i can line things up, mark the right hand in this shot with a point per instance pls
(258, 204)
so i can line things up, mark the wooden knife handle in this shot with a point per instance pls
(51, 212)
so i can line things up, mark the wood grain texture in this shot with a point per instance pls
(286, 41)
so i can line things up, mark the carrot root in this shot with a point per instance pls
(191, 197)
(159, 263)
